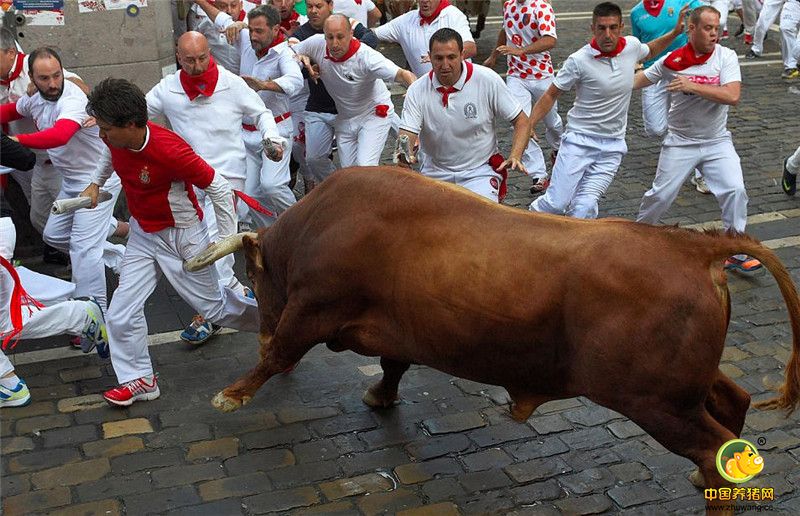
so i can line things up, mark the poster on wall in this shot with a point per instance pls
(41, 12)
(93, 6)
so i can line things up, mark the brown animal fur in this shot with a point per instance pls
(387, 263)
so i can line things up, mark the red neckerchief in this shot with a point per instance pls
(358, 2)
(429, 19)
(447, 91)
(16, 70)
(653, 7)
(351, 50)
(277, 40)
(203, 84)
(684, 57)
(287, 23)
(18, 298)
(614, 53)
(242, 15)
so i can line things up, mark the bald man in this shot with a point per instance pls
(353, 75)
(206, 105)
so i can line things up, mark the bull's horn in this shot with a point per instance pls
(216, 251)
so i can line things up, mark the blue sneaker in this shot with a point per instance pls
(19, 396)
(94, 335)
(248, 292)
(199, 330)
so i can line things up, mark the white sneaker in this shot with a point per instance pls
(700, 185)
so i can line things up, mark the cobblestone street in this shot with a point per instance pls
(306, 444)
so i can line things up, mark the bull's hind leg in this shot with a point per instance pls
(384, 393)
(695, 435)
(728, 404)
(293, 338)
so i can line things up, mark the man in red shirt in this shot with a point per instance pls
(158, 171)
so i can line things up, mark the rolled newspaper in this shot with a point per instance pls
(62, 206)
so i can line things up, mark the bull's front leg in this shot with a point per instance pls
(242, 390)
(384, 393)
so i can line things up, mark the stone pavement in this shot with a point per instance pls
(306, 444)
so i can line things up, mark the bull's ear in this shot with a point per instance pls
(252, 253)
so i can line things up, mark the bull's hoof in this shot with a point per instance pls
(697, 480)
(225, 403)
(376, 401)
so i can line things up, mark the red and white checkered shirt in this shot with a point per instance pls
(525, 22)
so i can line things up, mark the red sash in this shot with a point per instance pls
(18, 298)
(203, 84)
(351, 50)
(684, 57)
(16, 70)
(495, 161)
(621, 42)
(435, 14)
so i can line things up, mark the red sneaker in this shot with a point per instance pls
(140, 389)
(746, 265)
(748, 39)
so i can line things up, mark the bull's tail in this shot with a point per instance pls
(789, 396)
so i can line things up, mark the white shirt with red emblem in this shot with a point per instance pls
(77, 159)
(461, 136)
(276, 65)
(525, 22)
(691, 116)
(357, 84)
(356, 9)
(415, 38)
(603, 88)
(213, 125)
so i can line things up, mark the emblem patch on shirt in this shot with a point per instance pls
(494, 182)
(670, 11)
(516, 39)
(144, 175)
(470, 111)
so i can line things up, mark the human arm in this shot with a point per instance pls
(61, 132)
(221, 195)
(365, 35)
(522, 133)
(253, 108)
(727, 94)
(541, 45)
(389, 32)
(9, 113)
(16, 156)
(373, 17)
(501, 40)
(659, 45)
(405, 77)
(100, 175)
(543, 106)
(640, 80)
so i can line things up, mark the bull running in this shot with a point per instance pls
(386, 263)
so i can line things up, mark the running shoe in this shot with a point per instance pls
(789, 183)
(747, 265)
(140, 389)
(94, 335)
(199, 330)
(540, 184)
(19, 396)
(700, 185)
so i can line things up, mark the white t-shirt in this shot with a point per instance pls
(603, 88)
(415, 38)
(691, 116)
(13, 92)
(355, 85)
(277, 65)
(461, 136)
(213, 125)
(525, 22)
(356, 9)
(77, 159)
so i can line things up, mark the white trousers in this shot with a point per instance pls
(483, 180)
(83, 235)
(721, 169)
(723, 6)
(750, 12)
(790, 39)
(769, 13)
(167, 249)
(527, 93)
(267, 181)
(584, 169)
(361, 139)
(793, 163)
(299, 141)
(68, 317)
(319, 141)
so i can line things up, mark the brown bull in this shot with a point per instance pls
(387, 263)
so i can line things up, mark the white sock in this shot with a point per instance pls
(9, 382)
